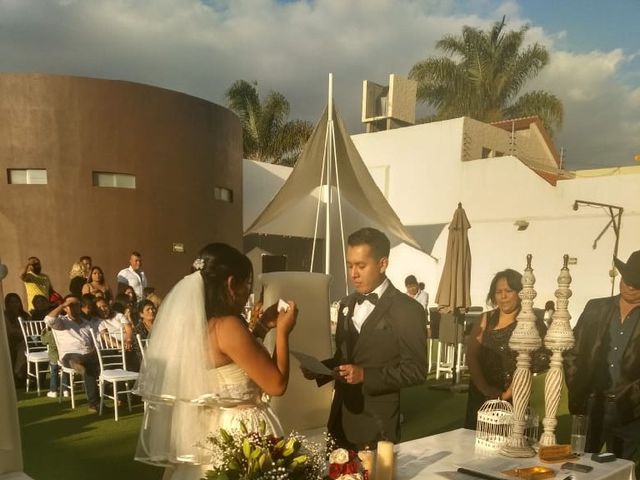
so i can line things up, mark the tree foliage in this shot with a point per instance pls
(266, 133)
(482, 75)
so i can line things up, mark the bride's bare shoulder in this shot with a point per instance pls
(228, 323)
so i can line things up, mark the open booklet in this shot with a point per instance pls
(312, 364)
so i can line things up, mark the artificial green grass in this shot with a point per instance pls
(66, 444)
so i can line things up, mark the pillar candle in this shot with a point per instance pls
(384, 461)
(367, 458)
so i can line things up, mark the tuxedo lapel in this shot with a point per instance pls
(375, 316)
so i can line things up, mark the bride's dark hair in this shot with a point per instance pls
(222, 261)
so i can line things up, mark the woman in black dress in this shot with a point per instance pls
(491, 361)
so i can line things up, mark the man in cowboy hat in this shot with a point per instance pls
(603, 369)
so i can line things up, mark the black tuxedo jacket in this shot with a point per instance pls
(391, 349)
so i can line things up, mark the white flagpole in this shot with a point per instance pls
(330, 162)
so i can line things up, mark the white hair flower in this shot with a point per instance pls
(198, 264)
(339, 456)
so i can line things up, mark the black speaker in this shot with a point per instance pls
(274, 263)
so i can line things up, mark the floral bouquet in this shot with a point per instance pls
(345, 465)
(244, 455)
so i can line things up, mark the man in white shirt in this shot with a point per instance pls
(111, 322)
(415, 292)
(75, 346)
(133, 276)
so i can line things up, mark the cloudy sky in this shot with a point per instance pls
(201, 46)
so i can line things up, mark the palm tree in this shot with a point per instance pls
(484, 77)
(267, 135)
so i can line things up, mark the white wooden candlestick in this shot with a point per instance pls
(524, 340)
(559, 339)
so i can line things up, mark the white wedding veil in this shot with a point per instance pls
(177, 381)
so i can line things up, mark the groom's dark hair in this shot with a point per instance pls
(222, 261)
(377, 241)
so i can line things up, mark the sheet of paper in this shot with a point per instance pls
(312, 364)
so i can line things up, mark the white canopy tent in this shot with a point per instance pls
(302, 205)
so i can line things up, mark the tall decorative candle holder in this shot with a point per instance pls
(524, 340)
(559, 339)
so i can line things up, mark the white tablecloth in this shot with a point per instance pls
(439, 456)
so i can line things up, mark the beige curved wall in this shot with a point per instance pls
(178, 147)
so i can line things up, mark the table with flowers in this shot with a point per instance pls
(439, 456)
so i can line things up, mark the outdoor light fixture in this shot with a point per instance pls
(521, 225)
(615, 219)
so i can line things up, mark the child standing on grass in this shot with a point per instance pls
(54, 368)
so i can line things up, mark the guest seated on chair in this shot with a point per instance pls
(491, 362)
(112, 322)
(75, 345)
(41, 307)
(147, 313)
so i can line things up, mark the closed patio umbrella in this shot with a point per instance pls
(453, 297)
(453, 290)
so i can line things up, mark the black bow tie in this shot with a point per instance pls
(371, 297)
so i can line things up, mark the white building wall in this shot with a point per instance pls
(496, 192)
(420, 171)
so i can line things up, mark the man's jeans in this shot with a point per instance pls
(606, 429)
(92, 369)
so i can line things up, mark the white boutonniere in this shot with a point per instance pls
(345, 311)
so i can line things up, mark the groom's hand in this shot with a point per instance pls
(351, 373)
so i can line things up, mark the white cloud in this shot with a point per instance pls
(601, 124)
(201, 48)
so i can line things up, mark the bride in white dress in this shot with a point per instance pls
(204, 369)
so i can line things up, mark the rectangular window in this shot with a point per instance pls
(27, 176)
(224, 194)
(114, 180)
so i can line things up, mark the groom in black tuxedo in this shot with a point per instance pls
(380, 348)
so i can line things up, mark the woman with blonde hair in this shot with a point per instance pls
(78, 278)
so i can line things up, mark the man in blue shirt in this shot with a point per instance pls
(603, 369)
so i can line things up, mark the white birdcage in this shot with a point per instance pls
(494, 424)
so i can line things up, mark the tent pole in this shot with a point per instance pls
(330, 160)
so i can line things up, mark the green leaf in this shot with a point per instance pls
(246, 448)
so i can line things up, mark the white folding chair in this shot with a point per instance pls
(142, 344)
(70, 387)
(113, 369)
(35, 350)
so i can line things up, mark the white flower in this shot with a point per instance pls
(339, 456)
(198, 264)
(345, 310)
(350, 476)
